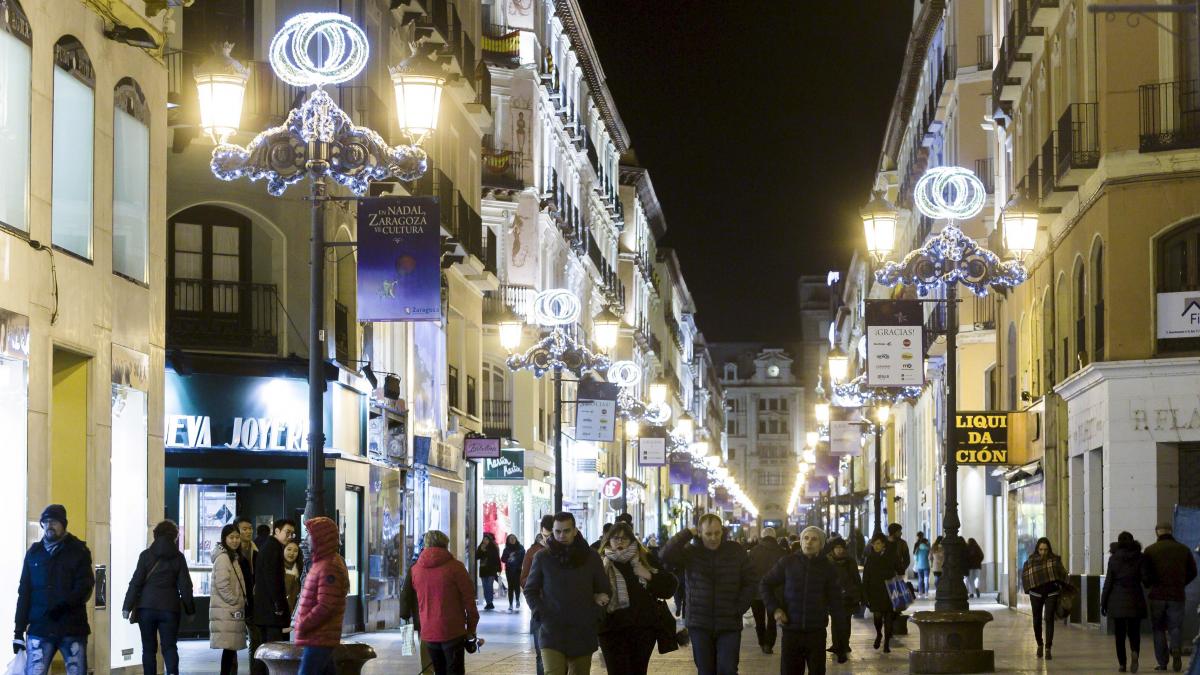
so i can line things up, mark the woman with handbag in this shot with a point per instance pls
(878, 570)
(161, 586)
(636, 614)
(1043, 577)
(227, 606)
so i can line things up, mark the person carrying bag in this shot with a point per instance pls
(160, 587)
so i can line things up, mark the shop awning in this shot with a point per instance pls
(1024, 471)
(444, 480)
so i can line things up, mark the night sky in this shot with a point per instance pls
(761, 126)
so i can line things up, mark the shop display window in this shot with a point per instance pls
(14, 412)
(385, 546)
(1031, 519)
(128, 534)
(203, 511)
(351, 528)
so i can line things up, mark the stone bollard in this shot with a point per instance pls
(283, 658)
(951, 642)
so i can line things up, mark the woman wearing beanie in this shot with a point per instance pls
(880, 567)
(630, 627)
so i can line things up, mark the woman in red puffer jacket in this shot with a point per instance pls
(446, 604)
(318, 623)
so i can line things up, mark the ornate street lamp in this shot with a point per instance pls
(1020, 221)
(318, 142)
(658, 392)
(879, 225)
(685, 426)
(839, 365)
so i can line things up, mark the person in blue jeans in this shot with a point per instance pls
(56, 582)
(920, 552)
(161, 586)
(720, 586)
(488, 556)
(1167, 569)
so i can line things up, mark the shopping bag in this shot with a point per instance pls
(898, 592)
(17, 665)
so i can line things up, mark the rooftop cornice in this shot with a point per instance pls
(576, 27)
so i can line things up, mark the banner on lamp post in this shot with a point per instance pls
(652, 451)
(699, 484)
(681, 470)
(596, 411)
(399, 259)
(895, 344)
(845, 431)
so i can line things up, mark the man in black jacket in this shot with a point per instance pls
(802, 592)
(1167, 569)
(720, 586)
(56, 582)
(271, 614)
(763, 557)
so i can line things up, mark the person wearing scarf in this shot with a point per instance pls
(1042, 577)
(630, 628)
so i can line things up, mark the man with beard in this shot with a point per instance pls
(56, 582)
(565, 590)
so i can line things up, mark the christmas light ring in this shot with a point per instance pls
(556, 307)
(949, 192)
(658, 414)
(624, 373)
(345, 44)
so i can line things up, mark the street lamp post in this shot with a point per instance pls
(318, 142)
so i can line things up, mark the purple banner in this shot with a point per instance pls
(816, 485)
(827, 464)
(681, 472)
(699, 481)
(399, 259)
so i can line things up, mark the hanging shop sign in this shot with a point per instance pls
(895, 345)
(681, 470)
(509, 465)
(699, 481)
(612, 488)
(845, 431)
(399, 259)
(981, 438)
(652, 451)
(1178, 315)
(481, 448)
(596, 411)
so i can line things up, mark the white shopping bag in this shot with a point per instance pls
(17, 666)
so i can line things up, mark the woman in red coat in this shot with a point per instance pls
(318, 623)
(445, 603)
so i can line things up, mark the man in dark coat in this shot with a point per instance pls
(566, 590)
(56, 582)
(720, 585)
(802, 592)
(850, 582)
(539, 545)
(898, 548)
(1168, 568)
(763, 557)
(271, 614)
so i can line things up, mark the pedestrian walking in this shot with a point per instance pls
(488, 557)
(271, 615)
(160, 587)
(322, 606)
(974, 555)
(247, 559)
(850, 583)
(1121, 599)
(1042, 577)
(56, 582)
(446, 604)
(720, 585)
(603, 531)
(920, 551)
(801, 591)
(567, 590)
(857, 545)
(898, 548)
(513, 557)
(1168, 567)
(546, 528)
(763, 557)
(227, 603)
(293, 570)
(879, 568)
(937, 558)
(630, 627)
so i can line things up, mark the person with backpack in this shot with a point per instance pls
(160, 587)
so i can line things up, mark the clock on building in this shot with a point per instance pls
(772, 371)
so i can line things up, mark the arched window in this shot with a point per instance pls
(131, 181)
(1079, 351)
(15, 95)
(1098, 302)
(1048, 351)
(74, 136)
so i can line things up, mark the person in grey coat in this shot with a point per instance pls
(566, 591)
(1122, 600)
(227, 606)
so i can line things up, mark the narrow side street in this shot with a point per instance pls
(509, 650)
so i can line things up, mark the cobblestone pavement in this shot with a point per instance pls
(509, 651)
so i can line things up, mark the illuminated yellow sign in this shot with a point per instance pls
(981, 438)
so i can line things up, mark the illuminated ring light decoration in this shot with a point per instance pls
(555, 307)
(624, 373)
(949, 192)
(658, 414)
(346, 45)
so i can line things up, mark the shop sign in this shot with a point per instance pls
(652, 451)
(14, 335)
(612, 488)
(845, 431)
(251, 433)
(510, 465)
(981, 438)
(399, 259)
(699, 481)
(680, 472)
(130, 368)
(596, 412)
(481, 448)
(1178, 315)
(895, 345)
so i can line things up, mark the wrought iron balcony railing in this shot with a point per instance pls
(1170, 116)
(222, 316)
(497, 418)
(1078, 138)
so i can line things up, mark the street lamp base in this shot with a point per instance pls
(283, 658)
(951, 642)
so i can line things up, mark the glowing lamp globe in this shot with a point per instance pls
(822, 411)
(1020, 221)
(418, 83)
(686, 427)
(883, 413)
(839, 365)
(511, 328)
(809, 455)
(221, 89)
(658, 392)
(879, 225)
(607, 329)
(632, 429)
(811, 439)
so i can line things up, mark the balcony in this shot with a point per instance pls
(497, 418)
(502, 169)
(1043, 13)
(497, 303)
(222, 316)
(647, 340)
(985, 172)
(1078, 143)
(1054, 195)
(501, 46)
(1170, 116)
(1030, 37)
(983, 52)
(983, 312)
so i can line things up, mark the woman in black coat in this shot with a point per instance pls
(879, 568)
(161, 586)
(851, 585)
(1122, 600)
(630, 627)
(513, 556)
(488, 556)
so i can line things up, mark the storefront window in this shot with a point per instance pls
(384, 547)
(128, 533)
(351, 522)
(14, 412)
(1031, 519)
(203, 511)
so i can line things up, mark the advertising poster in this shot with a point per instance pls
(399, 259)
(845, 431)
(652, 451)
(895, 345)
(680, 471)
(1178, 315)
(815, 485)
(428, 377)
(481, 448)
(827, 464)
